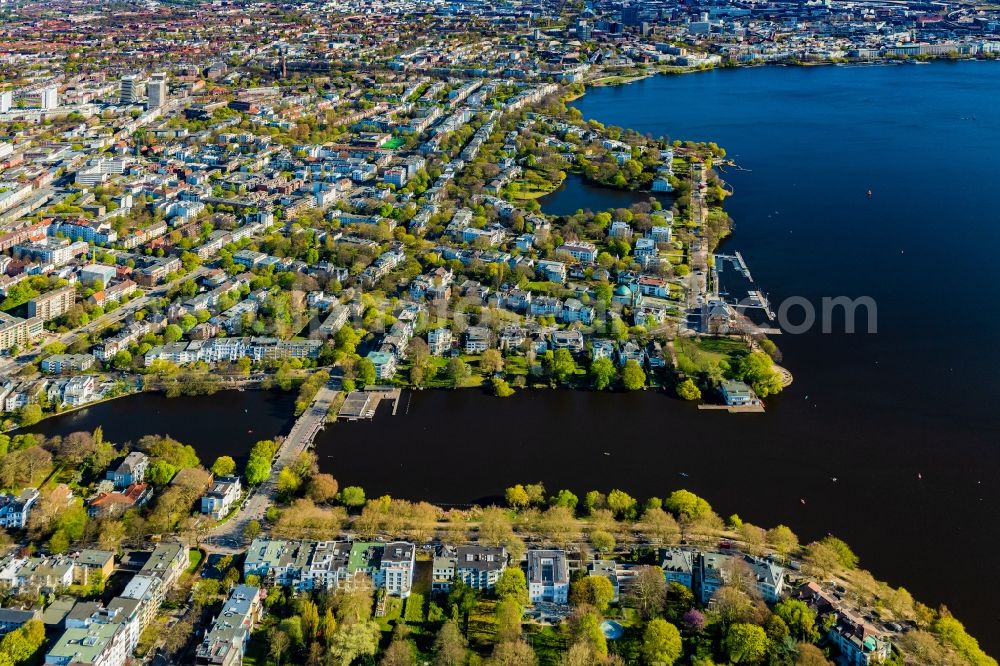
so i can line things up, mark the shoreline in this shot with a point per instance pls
(609, 80)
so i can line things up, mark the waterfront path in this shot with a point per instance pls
(229, 535)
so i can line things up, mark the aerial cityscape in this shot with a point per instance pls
(531, 333)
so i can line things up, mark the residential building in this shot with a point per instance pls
(859, 642)
(44, 574)
(554, 271)
(150, 592)
(60, 363)
(128, 613)
(217, 350)
(55, 251)
(606, 569)
(738, 394)
(225, 643)
(52, 304)
(112, 504)
(545, 306)
(15, 332)
(439, 340)
(168, 561)
(644, 250)
(580, 250)
(335, 320)
(97, 644)
(548, 576)
(443, 569)
(678, 566)
(14, 510)
(48, 98)
(219, 500)
(156, 89)
(620, 229)
(129, 91)
(385, 364)
(716, 569)
(602, 348)
(14, 618)
(480, 567)
(574, 310)
(396, 569)
(569, 339)
(89, 563)
(477, 339)
(130, 470)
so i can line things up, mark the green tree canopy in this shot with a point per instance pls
(684, 503)
(603, 373)
(661, 643)
(746, 643)
(688, 390)
(799, 617)
(633, 376)
(224, 466)
(512, 583)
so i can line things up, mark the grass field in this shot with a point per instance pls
(534, 188)
(414, 612)
(697, 354)
(194, 559)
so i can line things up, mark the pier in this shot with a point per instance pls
(361, 405)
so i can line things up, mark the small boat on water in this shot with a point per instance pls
(869, 194)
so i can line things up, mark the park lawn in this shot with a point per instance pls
(724, 346)
(542, 287)
(548, 644)
(414, 613)
(529, 189)
(482, 624)
(515, 365)
(65, 475)
(434, 377)
(474, 381)
(194, 559)
(393, 611)
(393, 143)
(704, 351)
(629, 618)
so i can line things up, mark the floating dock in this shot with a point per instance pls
(736, 409)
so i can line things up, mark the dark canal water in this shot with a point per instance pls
(575, 194)
(227, 423)
(905, 419)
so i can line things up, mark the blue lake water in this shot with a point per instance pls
(904, 419)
